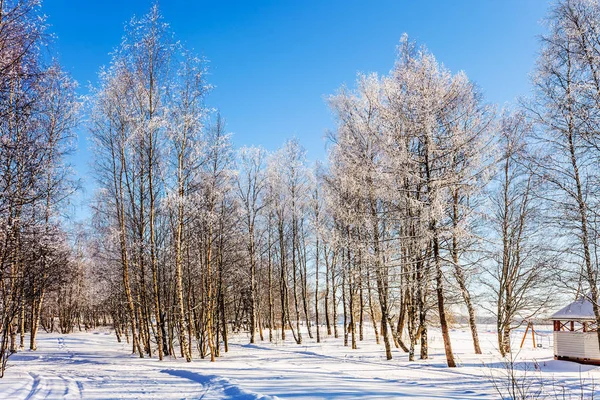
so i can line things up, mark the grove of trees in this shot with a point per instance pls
(433, 208)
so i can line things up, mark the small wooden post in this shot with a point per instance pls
(525, 335)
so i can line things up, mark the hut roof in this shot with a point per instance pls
(580, 309)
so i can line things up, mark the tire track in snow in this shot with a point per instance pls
(35, 388)
(53, 387)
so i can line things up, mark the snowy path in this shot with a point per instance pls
(94, 366)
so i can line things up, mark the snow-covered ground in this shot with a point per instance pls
(95, 366)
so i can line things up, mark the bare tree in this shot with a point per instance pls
(519, 274)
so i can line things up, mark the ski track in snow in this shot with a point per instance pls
(54, 387)
(217, 384)
(94, 366)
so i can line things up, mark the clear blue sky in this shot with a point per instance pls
(273, 62)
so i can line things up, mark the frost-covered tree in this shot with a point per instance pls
(186, 115)
(150, 100)
(251, 186)
(565, 109)
(408, 152)
(38, 111)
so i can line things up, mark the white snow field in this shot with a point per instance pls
(94, 366)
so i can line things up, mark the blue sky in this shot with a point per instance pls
(273, 62)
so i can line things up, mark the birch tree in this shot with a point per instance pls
(251, 185)
(565, 105)
(520, 274)
(186, 133)
(38, 109)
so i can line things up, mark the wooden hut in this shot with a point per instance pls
(575, 333)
